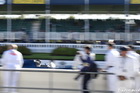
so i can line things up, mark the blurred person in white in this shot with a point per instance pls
(126, 71)
(11, 59)
(52, 64)
(111, 59)
(131, 52)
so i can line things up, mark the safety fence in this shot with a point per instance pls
(69, 36)
(49, 47)
(51, 81)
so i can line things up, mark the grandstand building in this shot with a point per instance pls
(65, 21)
(44, 25)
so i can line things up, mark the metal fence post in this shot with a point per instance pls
(50, 82)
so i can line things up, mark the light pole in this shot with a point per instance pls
(127, 25)
(86, 28)
(9, 20)
(47, 22)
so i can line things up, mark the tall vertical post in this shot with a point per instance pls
(127, 25)
(9, 20)
(47, 22)
(87, 25)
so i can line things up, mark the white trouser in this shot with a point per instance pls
(10, 79)
(126, 86)
(137, 84)
(112, 80)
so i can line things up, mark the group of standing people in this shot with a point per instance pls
(124, 63)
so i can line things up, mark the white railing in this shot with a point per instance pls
(91, 36)
(70, 36)
(49, 47)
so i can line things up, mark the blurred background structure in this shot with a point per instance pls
(64, 21)
(41, 26)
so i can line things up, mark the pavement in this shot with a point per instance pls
(55, 80)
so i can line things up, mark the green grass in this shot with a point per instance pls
(47, 56)
(99, 57)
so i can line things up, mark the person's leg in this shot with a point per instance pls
(137, 84)
(14, 82)
(112, 79)
(85, 83)
(6, 80)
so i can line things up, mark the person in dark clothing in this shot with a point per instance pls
(88, 65)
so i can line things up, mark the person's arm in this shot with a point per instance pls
(3, 59)
(21, 60)
(82, 59)
(93, 56)
(109, 58)
(139, 62)
(120, 74)
(132, 67)
(136, 67)
(77, 62)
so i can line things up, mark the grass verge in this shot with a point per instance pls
(99, 57)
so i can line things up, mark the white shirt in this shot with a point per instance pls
(12, 59)
(77, 61)
(126, 67)
(136, 56)
(111, 57)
